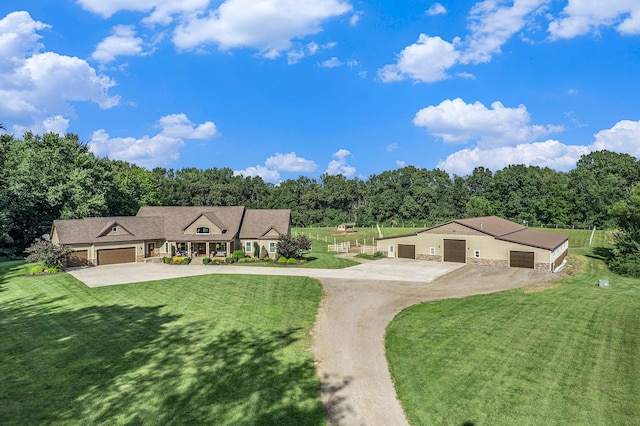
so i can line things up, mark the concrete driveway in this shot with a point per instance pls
(381, 270)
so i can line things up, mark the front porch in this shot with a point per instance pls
(204, 248)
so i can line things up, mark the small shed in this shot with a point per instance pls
(346, 227)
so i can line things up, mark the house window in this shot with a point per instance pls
(390, 249)
(476, 253)
(202, 230)
(432, 251)
(114, 229)
(272, 247)
(247, 246)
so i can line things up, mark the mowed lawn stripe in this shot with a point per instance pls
(566, 355)
(199, 350)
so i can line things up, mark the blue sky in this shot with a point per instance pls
(282, 88)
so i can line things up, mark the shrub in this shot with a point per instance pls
(238, 254)
(264, 253)
(166, 260)
(282, 259)
(230, 260)
(177, 260)
(53, 270)
(186, 260)
(206, 260)
(36, 270)
(217, 260)
(256, 249)
(244, 260)
(49, 254)
(292, 260)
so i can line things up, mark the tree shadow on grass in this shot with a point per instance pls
(601, 253)
(242, 377)
(51, 356)
(10, 269)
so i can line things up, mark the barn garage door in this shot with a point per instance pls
(77, 258)
(112, 256)
(521, 259)
(455, 251)
(406, 251)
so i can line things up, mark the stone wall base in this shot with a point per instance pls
(429, 257)
(540, 266)
(487, 262)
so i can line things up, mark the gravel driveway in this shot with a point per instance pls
(358, 304)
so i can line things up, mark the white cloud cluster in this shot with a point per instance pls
(123, 41)
(153, 151)
(270, 171)
(37, 87)
(339, 166)
(436, 9)
(295, 55)
(427, 60)
(267, 25)
(457, 121)
(623, 137)
(581, 17)
(492, 23)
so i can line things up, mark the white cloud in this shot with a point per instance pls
(436, 9)
(122, 42)
(161, 11)
(268, 25)
(581, 17)
(391, 147)
(339, 166)
(331, 63)
(152, 151)
(623, 137)
(57, 124)
(37, 87)
(355, 18)
(401, 163)
(270, 171)
(427, 60)
(551, 153)
(267, 174)
(290, 163)
(457, 121)
(179, 126)
(492, 24)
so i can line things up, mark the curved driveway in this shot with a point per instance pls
(358, 304)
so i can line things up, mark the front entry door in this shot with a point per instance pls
(151, 249)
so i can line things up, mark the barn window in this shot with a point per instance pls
(390, 249)
(114, 229)
(476, 253)
(202, 230)
(432, 250)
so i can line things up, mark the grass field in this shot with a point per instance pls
(565, 355)
(200, 350)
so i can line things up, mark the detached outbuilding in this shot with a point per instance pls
(488, 240)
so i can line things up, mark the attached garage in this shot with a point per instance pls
(406, 251)
(119, 255)
(455, 251)
(522, 259)
(78, 258)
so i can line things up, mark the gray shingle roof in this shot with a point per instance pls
(258, 222)
(90, 229)
(154, 223)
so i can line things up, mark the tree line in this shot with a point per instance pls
(56, 177)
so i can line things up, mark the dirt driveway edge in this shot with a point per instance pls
(357, 388)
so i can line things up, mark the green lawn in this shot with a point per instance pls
(201, 350)
(566, 355)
